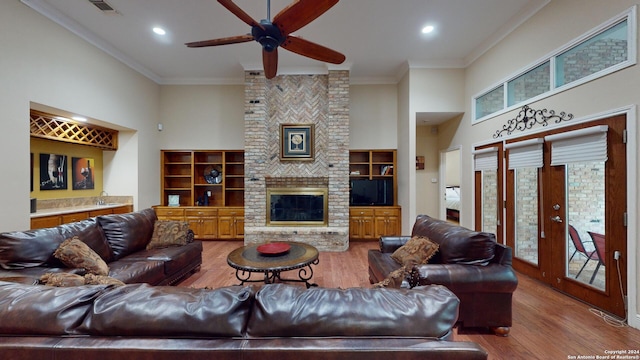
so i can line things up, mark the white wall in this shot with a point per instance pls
(43, 63)
(373, 115)
(549, 29)
(205, 117)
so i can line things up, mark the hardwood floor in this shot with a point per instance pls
(546, 323)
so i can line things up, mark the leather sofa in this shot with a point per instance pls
(469, 263)
(275, 321)
(119, 239)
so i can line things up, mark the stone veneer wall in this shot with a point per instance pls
(322, 100)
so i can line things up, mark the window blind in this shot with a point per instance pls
(584, 145)
(525, 154)
(486, 159)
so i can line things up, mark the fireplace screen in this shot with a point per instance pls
(296, 207)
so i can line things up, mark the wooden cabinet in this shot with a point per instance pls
(371, 222)
(203, 222)
(387, 222)
(73, 216)
(231, 223)
(203, 178)
(361, 223)
(169, 213)
(207, 223)
(45, 222)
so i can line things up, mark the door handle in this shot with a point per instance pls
(556, 219)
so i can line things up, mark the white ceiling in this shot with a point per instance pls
(380, 38)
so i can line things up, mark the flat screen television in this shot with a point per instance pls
(375, 192)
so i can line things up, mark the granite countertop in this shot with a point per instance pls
(73, 209)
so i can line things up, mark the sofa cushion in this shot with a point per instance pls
(91, 279)
(175, 258)
(44, 310)
(418, 250)
(23, 249)
(89, 232)
(128, 233)
(76, 254)
(394, 279)
(293, 311)
(62, 279)
(131, 271)
(168, 233)
(144, 310)
(457, 245)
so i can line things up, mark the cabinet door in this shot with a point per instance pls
(387, 222)
(226, 227)
(361, 225)
(45, 222)
(169, 213)
(203, 222)
(230, 223)
(74, 217)
(123, 209)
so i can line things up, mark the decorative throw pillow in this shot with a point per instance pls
(62, 279)
(168, 233)
(394, 279)
(91, 279)
(76, 254)
(418, 250)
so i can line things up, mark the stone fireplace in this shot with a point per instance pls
(318, 100)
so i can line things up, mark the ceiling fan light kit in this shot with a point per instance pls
(271, 35)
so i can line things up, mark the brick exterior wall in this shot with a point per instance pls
(321, 100)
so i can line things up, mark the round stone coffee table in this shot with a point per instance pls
(247, 260)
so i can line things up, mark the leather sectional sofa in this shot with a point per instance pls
(119, 239)
(469, 263)
(275, 321)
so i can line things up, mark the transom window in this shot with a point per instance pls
(606, 49)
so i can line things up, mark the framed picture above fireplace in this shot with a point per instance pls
(296, 142)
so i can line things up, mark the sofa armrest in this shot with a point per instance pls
(389, 244)
(465, 278)
(503, 255)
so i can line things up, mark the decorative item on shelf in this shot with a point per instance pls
(213, 174)
(419, 162)
(174, 200)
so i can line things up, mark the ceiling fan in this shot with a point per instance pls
(272, 35)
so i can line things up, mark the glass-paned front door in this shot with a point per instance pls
(526, 214)
(585, 196)
(490, 201)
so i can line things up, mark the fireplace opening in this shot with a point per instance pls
(296, 207)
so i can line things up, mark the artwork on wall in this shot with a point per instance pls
(82, 173)
(296, 142)
(53, 172)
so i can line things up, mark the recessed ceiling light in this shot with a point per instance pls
(427, 29)
(159, 30)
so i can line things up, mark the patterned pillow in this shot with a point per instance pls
(418, 250)
(168, 233)
(61, 279)
(394, 279)
(91, 279)
(76, 254)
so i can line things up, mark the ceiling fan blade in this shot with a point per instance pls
(270, 63)
(221, 41)
(235, 9)
(300, 13)
(312, 50)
